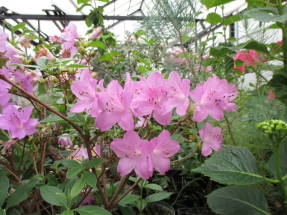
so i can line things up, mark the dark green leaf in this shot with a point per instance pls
(155, 187)
(232, 165)
(90, 179)
(4, 186)
(238, 200)
(256, 46)
(53, 195)
(157, 197)
(77, 187)
(92, 210)
(73, 172)
(129, 199)
(279, 84)
(21, 193)
(88, 164)
(272, 164)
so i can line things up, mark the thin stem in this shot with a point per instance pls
(229, 130)
(119, 188)
(126, 193)
(184, 158)
(45, 105)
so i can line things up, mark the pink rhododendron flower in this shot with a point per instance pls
(17, 121)
(271, 96)
(25, 80)
(134, 153)
(96, 32)
(4, 93)
(163, 147)
(25, 41)
(69, 37)
(280, 43)
(8, 51)
(177, 55)
(55, 39)
(211, 137)
(65, 141)
(85, 90)
(150, 97)
(80, 153)
(248, 57)
(208, 69)
(178, 93)
(213, 97)
(88, 200)
(114, 105)
(43, 52)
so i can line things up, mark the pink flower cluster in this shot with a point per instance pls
(16, 120)
(152, 96)
(248, 58)
(212, 98)
(9, 52)
(144, 156)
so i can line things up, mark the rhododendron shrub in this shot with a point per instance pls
(83, 134)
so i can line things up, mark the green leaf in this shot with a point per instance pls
(213, 18)
(155, 187)
(279, 84)
(68, 163)
(82, 1)
(21, 193)
(157, 197)
(92, 210)
(52, 118)
(129, 199)
(98, 44)
(213, 3)
(77, 187)
(53, 195)
(232, 165)
(19, 26)
(88, 164)
(272, 164)
(2, 212)
(231, 19)
(266, 15)
(73, 172)
(90, 179)
(238, 200)
(256, 46)
(4, 186)
(77, 66)
(68, 212)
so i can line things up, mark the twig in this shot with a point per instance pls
(185, 157)
(10, 171)
(45, 105)
(118, 190)
(125, 194)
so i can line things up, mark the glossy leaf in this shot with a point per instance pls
(232, 165)
(238, 200)
(53, 195)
